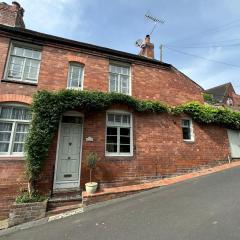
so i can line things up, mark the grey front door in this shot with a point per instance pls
(234, 141)
(68, 172)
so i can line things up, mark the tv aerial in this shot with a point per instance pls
(153, 19)
(139, 43)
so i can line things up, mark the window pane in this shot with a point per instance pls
(75, 76)
(185, 123)
(5, 136)
(113, 82)
(37, 55)
(6, 112)
(111, 118)
(31, 69)
(16, 67)
(24, 64)
(118, 118)
(20, 137)
(125, 131)
(119, 79)
(111, 148)
(18, 51)
(112, 139)
(4, 147)
(186, 133)
(71, 119)
(125, 119)
(20, 113)
(18, 147)
(124, 140)
(125, 148)
(5, 127)
(111, 131)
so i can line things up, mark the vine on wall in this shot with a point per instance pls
(47, 108)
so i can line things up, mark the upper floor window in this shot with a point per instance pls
(75, 76)
(23, 63)
(119, 78)
(119, 134)
(14, 125)
(187, 130)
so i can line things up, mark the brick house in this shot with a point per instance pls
(225, 95)
(132, 146)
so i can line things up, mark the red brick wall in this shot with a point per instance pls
(12, 180)
(11, 15)
(158, 145)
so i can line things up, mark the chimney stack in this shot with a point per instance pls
(147, 48)
(11, 15)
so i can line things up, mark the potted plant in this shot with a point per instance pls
(91, 187)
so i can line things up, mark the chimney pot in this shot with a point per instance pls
(147, 48)
(16, 5)
(11, 15)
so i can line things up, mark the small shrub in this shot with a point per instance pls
(25, 197)
(92, 159)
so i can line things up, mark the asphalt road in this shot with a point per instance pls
(205, 208)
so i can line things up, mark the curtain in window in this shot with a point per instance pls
(5, 136)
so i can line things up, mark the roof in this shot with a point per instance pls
(219, 92)
(51, 38)
(41, 38)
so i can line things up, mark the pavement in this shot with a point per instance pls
(203, 208)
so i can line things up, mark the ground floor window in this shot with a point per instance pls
(119, 134)
(14, 125)
(187, 130)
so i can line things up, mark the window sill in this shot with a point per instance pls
(75, 88)
(189, 141)
(118, 155)
(19, 82)
(11, 157)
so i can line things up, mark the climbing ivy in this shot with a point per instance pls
(47, 108)
(204, 113)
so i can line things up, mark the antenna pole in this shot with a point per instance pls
(161, 52)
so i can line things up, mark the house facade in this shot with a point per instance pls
(132, 146)
(225, 95)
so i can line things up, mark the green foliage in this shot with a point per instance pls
(204, 113)
(25, 197)
(47, 108)
(92, 159)
(209, 98)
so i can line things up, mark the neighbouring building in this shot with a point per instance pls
(224, 95)
(132, 146)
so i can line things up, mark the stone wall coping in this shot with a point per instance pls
(19, 205)
(161, 182)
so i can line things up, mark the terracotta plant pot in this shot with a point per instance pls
(91, 187)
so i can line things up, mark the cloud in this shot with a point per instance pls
(62, 17)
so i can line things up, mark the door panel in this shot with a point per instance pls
(234, 141)
(69, 153)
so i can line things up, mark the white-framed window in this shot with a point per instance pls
(14, 125)
(23, 63)
(119, 140)
(119, 78)
(187, 130)
(75, 76)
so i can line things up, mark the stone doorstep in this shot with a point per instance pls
(63, 209)
(119, 191)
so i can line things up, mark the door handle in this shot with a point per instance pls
(70, 144)
(69, 158)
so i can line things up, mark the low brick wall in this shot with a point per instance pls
(25, 212)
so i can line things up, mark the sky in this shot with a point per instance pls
(201, 38)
